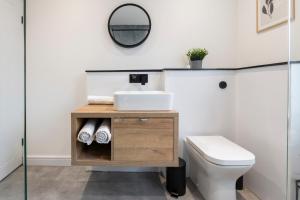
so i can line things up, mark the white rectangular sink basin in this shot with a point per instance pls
(143, 100)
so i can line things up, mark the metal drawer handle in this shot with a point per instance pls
(143, 119)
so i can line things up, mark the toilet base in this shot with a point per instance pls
(212, 189)
(214, 182)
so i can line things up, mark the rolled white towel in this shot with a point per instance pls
(103, 134)
(87, 133)
(104, 100)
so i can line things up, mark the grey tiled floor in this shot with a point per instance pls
(75, 183)
(12, 187)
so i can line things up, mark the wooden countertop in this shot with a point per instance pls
(109, 109)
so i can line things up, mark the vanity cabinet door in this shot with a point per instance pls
(143, 139)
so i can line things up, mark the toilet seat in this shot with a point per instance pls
(220, 151)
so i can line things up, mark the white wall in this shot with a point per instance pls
(204, 108)
(119, 81)
(65, 37)
(261, 127)
(254, 48)
(11, 86)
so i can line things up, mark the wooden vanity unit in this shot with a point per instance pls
(139, 138)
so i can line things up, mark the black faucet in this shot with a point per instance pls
(138, 78)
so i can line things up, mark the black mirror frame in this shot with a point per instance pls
(124, 45)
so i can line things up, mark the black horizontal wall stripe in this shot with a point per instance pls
(127, 70)
(265, 65)
(203, 69)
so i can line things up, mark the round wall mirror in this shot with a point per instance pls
(129, 25)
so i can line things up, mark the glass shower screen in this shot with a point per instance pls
(12, 117)
(294, 104)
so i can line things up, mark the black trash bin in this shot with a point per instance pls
(176, 181)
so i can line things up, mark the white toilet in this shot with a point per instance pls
(215, 165)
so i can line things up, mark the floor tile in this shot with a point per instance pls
(76, 183)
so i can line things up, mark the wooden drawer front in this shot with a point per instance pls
(146, 139)
(145, 123)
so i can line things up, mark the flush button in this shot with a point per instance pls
(223, 85)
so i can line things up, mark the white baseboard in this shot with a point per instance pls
(33, 160)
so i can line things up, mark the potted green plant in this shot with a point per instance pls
(196, 56)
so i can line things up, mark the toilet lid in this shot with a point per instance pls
(221, 151)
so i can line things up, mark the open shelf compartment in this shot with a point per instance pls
(94, 151)
(86, 154)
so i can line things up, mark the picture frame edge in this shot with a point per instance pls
(292, 17)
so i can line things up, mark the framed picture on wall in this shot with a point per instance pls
(271, 13)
